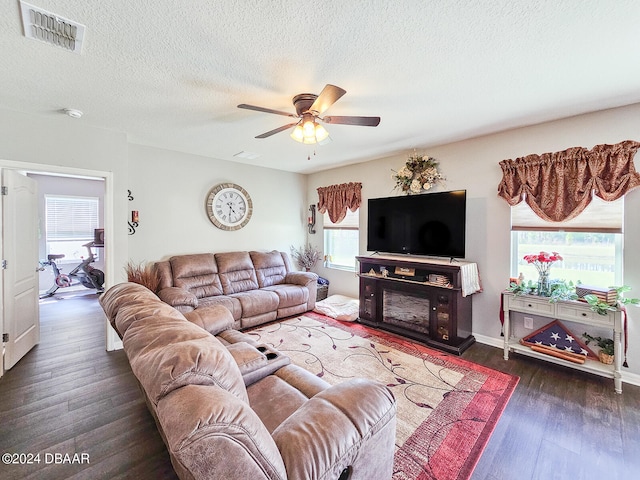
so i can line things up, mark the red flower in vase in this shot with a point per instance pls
(543, 261)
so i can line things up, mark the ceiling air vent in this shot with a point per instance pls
(51, 28)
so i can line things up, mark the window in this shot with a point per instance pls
(70, 223)
(342, 241)
(590, 244)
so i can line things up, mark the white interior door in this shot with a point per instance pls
(20, 310)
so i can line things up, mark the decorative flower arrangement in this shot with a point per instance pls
(306, 257)
(419, 174)
(543, 261)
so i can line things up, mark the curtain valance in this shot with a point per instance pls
(335, 199)
(558, 186)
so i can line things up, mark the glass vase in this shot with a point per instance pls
(544, 289)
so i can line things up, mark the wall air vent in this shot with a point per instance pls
(247, 155)
(51, 28)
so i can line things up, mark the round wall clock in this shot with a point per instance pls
(229, 206)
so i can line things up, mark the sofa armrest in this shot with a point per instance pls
(351, 426)
(308, 280)
(214, 318)
(301, 278)
(178, 297)
(256, 361)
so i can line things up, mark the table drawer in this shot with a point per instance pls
(582, 313)
(533, 305)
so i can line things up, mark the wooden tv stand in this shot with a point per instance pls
(417, 298)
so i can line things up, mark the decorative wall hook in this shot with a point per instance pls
(311, 221)
(135, 217)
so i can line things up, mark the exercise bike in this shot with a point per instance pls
(83, 273)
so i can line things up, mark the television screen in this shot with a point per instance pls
(429, 224)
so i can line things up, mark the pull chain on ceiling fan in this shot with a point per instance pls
(309, 107)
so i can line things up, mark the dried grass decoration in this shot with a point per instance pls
(306, 257)
(144, 274)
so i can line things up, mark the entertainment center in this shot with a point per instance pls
(418, 298)
(413, 294)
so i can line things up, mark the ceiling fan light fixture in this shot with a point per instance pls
(321, 133)
(309, 131)
(309, 107)
(297, 134)
(308, 127)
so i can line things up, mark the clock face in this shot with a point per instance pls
(229, 206)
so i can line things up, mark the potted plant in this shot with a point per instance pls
(562, 290)
(602, 308)
(605, 354)
(306, 257)
(522, 288)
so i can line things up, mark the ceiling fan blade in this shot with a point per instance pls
(265, 110)
(330, 94)
(277, 130)
(362, 121)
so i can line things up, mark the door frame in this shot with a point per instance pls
(111, 339)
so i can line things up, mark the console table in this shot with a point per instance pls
(418, 298)
(573, 311)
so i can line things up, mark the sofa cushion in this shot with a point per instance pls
(121, 295)
(270, 267)
(178, 297)
(232, 304)
(257, 302)
(165, 277)
(212, 435)
(181, 354)
(274, 400)
(353, 424)
(289, 295)
(197, 273)
(213, 318)
(229, 337)
(143, 311)
(236, 272)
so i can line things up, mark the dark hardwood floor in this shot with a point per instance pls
(69, 396)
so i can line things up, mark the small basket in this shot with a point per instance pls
(605, 358)
(322, 292)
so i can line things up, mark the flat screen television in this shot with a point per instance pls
(431, 224)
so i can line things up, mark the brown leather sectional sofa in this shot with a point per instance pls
(228, 408)
(256, 287)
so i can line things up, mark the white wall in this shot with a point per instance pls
(53, 142)
(473, 165)
(169, 191)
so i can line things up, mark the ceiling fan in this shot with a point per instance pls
(309, 107)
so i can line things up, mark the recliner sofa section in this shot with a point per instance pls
(256, 287)
(223, 412)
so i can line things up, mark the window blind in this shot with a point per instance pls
(351, 221)
(70, 218)
(599, 217)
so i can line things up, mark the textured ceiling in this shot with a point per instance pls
(170, 73)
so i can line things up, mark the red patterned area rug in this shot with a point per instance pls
(447, 406)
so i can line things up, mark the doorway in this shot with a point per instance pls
(69, 209)
(64, 174)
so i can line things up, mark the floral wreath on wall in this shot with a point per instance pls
(418, 175)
